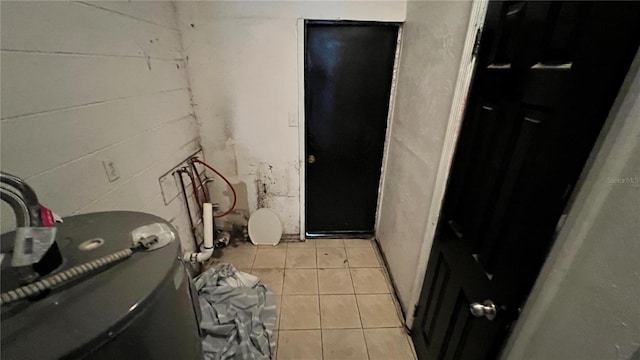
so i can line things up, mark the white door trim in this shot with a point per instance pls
(301, 126)
(463, 84)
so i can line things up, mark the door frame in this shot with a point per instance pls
(300, 32)
(463, 85)
(301, 126)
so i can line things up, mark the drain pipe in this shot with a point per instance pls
(207, 251)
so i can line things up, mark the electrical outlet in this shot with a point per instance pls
(110, 170)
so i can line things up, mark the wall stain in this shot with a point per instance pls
(265, 180)
(263, 194)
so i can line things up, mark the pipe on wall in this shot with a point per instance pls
(207, 251)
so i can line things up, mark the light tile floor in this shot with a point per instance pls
(334, 299)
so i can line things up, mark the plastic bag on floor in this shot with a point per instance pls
(238, 314)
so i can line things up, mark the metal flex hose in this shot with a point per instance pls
(63, 277)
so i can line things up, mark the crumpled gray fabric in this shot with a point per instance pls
(238, 314)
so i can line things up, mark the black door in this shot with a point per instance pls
(546, 77)
(348, 72)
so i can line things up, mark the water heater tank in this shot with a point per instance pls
(142, 307)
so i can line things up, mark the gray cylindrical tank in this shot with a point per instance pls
(141, 308)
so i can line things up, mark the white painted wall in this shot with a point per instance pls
(433, 39)
(87, 82)
(243, 70)
(586, 302)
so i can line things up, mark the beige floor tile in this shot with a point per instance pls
(344, 344)
(301, 258)
(280, 245)
(385, 344)
(278, 310)
(334, 281)
(243, 244)
(362, 257)
(378, 255)
(270, 258)
(339, 312)
(377, 311)
(273, 278)
(240, 257)
(301, 244)
(300, 345)
(323, 243)
(331, 257)
(369, 281)
(365, 243)
(299, 312)
(300, 282)
(240, 248)
(274, 349)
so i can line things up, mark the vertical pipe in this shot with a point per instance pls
(207, 218)
(207, 251)
(205, 191)
(186, 203)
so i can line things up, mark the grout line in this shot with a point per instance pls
(385, 327)
(366, 345)
(280, 315)
(284, 280)
(286, 256)
(355, 295)
(277, 343)
(125, 140)
(319, 308)
(133, 177)
(126, 15)
(253, 261)
(81, 54)
(93, 103)
(315, 260)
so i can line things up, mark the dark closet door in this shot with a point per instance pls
(348, 72)
(546, 77)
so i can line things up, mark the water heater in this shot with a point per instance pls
(139, 307)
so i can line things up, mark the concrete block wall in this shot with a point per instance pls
(84, 83)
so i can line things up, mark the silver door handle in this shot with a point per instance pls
(486, 309)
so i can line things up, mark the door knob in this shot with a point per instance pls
(486, 309)
(311, 159)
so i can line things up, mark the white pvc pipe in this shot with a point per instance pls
(207, 251)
